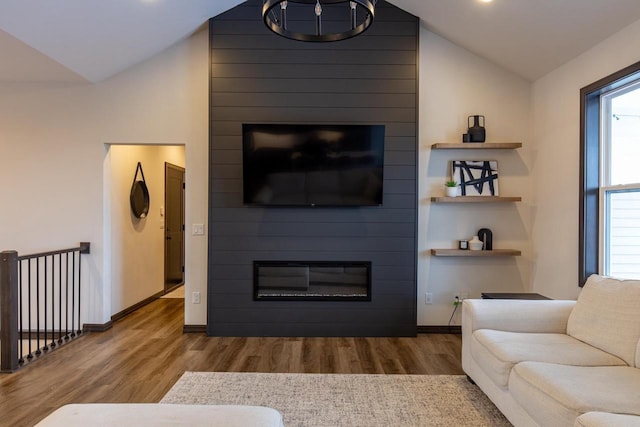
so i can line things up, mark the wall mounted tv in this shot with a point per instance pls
(312, 165)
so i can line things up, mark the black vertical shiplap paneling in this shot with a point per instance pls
(257, 77)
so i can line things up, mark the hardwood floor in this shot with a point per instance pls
(144, 354)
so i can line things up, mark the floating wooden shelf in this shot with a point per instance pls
(475, 199)
(469, 253)
(476, 145)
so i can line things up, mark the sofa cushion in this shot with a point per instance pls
(557, 394)
(606, 316)
(498, 351)
(605, 419)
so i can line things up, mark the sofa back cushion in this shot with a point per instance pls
(607, 316)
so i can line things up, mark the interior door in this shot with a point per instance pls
(174, 226)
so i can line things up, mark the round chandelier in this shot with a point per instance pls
(357, 17)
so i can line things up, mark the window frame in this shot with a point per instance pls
(590, 234)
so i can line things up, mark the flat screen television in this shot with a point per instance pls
(312, 165)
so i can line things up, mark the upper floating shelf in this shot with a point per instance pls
(476, 145)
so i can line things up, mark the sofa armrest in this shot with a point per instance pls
(543, 316)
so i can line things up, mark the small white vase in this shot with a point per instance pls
(451, 191)
(475, 244)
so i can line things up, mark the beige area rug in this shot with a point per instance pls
(346, 400)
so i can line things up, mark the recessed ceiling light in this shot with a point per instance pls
(485, 1)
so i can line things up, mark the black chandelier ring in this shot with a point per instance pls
(274, 15)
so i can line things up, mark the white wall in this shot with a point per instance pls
(52, 142)
(165, 101)
(454, 84)
(51, 174)
(556, 120)
(137, 244)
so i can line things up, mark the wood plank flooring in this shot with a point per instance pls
(144, 354)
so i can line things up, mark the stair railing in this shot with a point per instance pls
(40, 308)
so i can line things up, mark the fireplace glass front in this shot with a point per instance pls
(312, 280)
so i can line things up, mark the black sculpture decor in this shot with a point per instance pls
(476, 132)
(139, 197)
(486, 236)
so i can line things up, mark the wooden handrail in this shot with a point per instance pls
(84, 248)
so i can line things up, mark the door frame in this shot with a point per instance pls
(167, 166)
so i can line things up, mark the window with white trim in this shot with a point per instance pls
(620, 182)
(609, 215)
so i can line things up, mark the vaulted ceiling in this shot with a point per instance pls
(91, 40)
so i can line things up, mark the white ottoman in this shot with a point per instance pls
(154, 414)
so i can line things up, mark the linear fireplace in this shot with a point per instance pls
(312, 280)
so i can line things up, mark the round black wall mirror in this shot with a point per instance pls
(139, 197)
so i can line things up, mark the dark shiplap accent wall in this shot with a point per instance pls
(260, 77)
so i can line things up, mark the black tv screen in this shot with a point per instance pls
(312, 165)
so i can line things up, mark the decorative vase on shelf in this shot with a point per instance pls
(476, 132)
(486, 236)
(475, 244)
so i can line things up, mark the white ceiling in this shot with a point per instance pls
(91, 40)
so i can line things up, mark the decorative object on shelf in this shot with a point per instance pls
(463, 244)
(451, 188)
(475, 244)
(466, 137)
(476, 132)
(302, 29)
(139, 196)
(486, 236)
(476, 177)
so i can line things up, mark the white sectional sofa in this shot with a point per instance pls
(559, 363)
